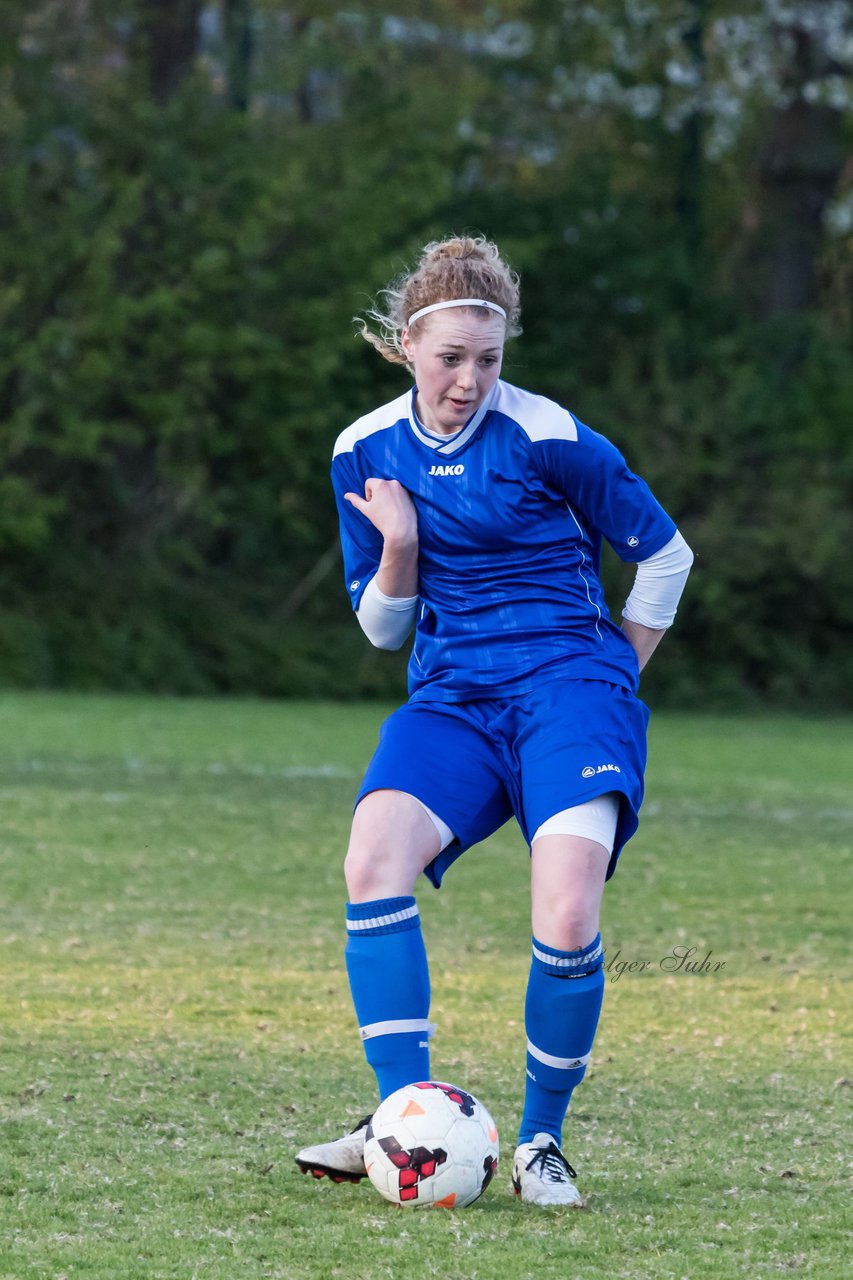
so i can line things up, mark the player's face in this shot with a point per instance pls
(457, 358)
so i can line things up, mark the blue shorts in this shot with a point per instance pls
(478, 763)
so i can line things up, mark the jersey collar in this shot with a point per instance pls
(450, 444)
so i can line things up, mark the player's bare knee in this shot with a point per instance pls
(381, 864)
(391, 842)
(566, 921)
(366, 865)
(366, 874)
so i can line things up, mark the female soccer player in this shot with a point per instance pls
(475, 511)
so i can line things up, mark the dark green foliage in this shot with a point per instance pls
(177, 356)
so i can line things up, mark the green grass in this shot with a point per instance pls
(176, 1023)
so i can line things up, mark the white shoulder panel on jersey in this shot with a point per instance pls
(385, 416)
(538, 417)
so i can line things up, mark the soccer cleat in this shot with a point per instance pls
(341, 1160)
(541, 1174)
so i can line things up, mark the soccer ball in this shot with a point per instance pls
(431, 1145)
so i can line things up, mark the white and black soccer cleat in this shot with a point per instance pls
(541, 1174)
(341, 1160)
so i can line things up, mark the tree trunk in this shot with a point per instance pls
(237, 19)
(689, 195)
(169, 34)
(796, 173)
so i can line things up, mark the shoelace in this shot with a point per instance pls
(553, 1164)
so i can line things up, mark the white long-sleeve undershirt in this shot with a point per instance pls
(387, 620)
(658, 585)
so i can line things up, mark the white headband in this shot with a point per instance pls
(456, 302)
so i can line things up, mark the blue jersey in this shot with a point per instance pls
(511, 512)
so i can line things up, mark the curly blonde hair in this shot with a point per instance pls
(459, 267)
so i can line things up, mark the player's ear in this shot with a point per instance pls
(407, 344)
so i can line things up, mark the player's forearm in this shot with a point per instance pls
(390, 600)
(644, 640)
(397, 574)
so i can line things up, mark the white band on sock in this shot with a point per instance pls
(397, 1027)
(564, 1064)
(376, 922)
(576, 961)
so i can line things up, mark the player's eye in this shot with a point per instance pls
(449, 360)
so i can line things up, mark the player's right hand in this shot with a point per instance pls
(389, 508)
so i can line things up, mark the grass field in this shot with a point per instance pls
(176, 1023)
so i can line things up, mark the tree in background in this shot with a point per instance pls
(198, 197)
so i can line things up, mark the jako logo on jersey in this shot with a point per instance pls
(354, 586)
(589, 772)
(633, 542)
(446, 471)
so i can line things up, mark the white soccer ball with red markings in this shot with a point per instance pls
(431, 1145)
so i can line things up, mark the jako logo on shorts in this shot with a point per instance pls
(589, 772)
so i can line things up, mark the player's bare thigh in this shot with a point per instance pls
(392, 839)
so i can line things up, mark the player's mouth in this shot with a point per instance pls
(460, 405)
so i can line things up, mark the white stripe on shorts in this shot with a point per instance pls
(565, 1064)
(393, 917)
(397, 1027)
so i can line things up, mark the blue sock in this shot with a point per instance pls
(561, 1015)
(389, 981)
